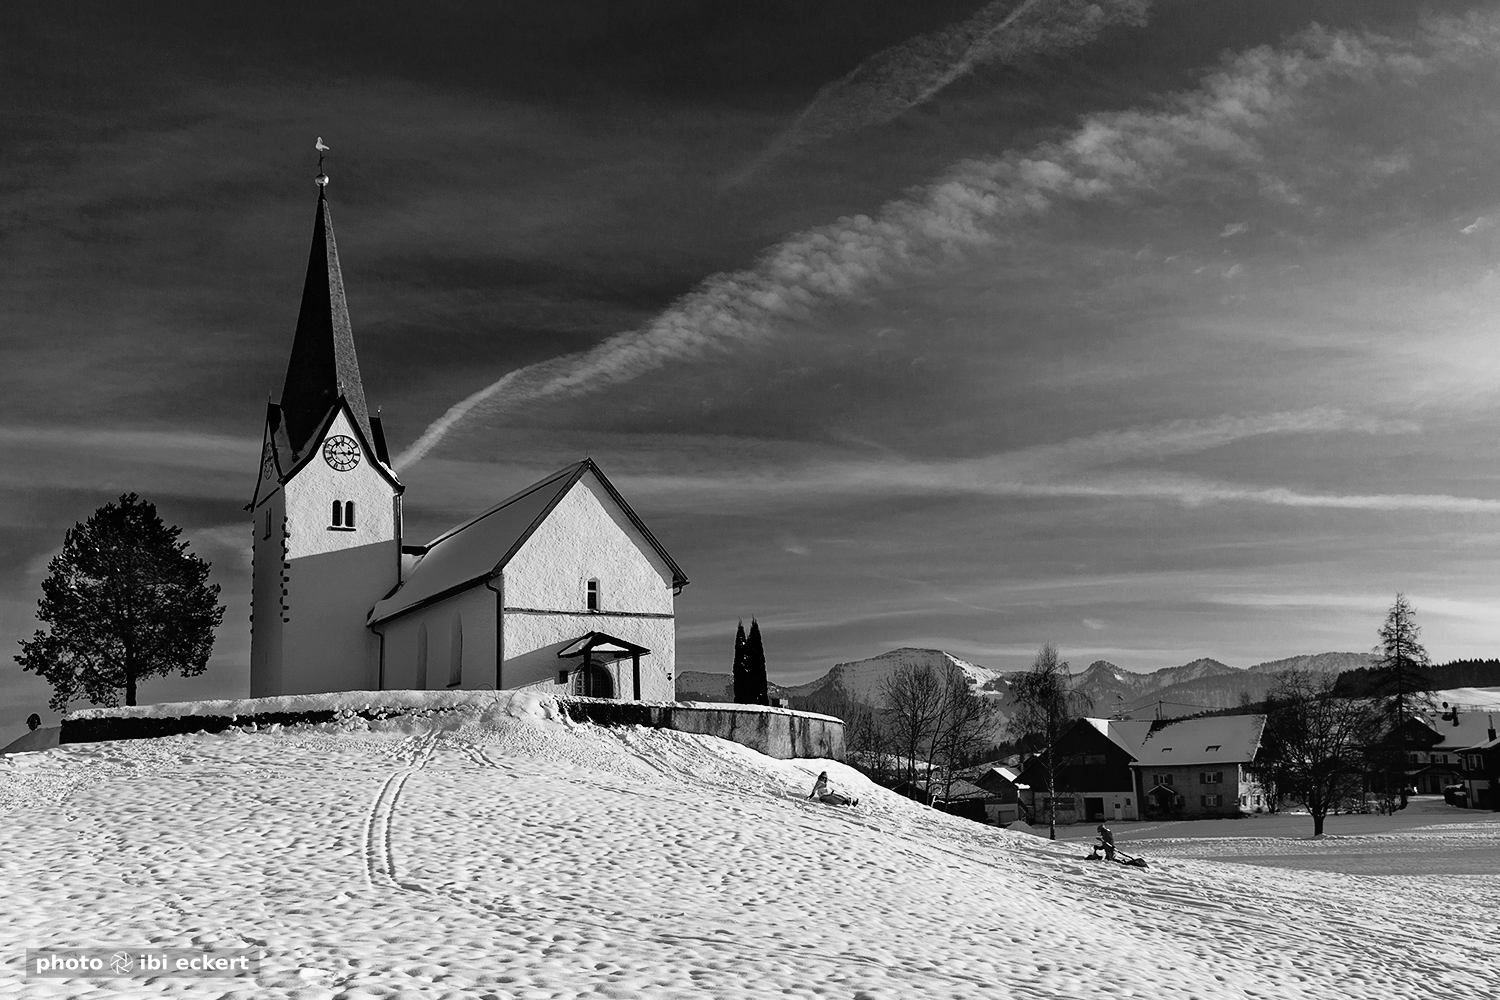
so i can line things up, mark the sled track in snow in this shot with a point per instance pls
(380, 862)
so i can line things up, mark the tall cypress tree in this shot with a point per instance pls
(755, 667)
(741, 681)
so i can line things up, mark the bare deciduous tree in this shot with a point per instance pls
(1315, 741)
(912, 702)
(1046, 705)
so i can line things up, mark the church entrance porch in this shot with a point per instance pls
(596, 652)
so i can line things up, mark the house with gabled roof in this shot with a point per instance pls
(1092, 779)
(560, 586)
(1434, 745)
(1197, 768)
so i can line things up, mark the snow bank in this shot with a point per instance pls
(514, 856)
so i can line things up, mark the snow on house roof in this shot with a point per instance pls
(1126, 733)
(1471, 729)
(1221, 739)
(476, 550)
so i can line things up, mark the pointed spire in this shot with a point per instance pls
(323, 365)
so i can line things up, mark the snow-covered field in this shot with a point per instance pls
(503, 853)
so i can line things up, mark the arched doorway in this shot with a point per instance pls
(593, 681)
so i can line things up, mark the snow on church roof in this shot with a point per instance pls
(474, 551)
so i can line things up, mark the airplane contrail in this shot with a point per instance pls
(894, 80)
(1110, 156)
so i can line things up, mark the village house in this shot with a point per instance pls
(1435, 745)
(1481, 769)
(1197, 768)
(1003, 783)
(560, 587)
(1093, 778)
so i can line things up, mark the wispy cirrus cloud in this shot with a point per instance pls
(1087, 467)
(1214, 135)
(897, 79)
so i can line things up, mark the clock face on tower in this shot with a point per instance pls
(341, 452)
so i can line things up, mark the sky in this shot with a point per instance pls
(1156, 329)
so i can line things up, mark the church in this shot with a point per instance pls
(560, 587)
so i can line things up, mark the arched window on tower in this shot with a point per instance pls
(341, 517)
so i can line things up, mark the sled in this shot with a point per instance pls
(1120, 858)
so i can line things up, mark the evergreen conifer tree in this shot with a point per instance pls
(125, 601)
(741, 682)
(755, 667)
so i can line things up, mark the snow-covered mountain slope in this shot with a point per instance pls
(507, 854)
(865, 680)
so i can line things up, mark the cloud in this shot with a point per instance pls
(1212, 135)
(1482, 222)
(1081, 468)
(1234, 229)
(897, 79)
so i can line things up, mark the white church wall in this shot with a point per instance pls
(267, 633)
(309, 504)
(586, 537)
(532, 642)
(470, 615)
(336, 574)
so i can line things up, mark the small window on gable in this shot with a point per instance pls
(267, 529)
(337, 518)
(1211, 748)
(593, 595)
(348, 513)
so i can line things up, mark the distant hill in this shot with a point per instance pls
(865, 680)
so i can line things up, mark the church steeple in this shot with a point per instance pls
(323, 365)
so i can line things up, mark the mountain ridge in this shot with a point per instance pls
(1203, 684)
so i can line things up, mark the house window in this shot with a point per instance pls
(1212, 747)
(348, 513)
(593, 595)
(337, 520)
(1210, 777)
(1162, 779)
(267, 530)
(1213, 800)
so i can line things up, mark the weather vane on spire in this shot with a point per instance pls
(322, 179)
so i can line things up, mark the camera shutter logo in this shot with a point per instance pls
(121, 962)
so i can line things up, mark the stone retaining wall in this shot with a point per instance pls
(776, 732)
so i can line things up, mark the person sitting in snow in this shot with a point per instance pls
(827, 796)
(1106, 840)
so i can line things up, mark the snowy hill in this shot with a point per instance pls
(37, 739)
(505, 853)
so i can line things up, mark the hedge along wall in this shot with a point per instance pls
(781, 733)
